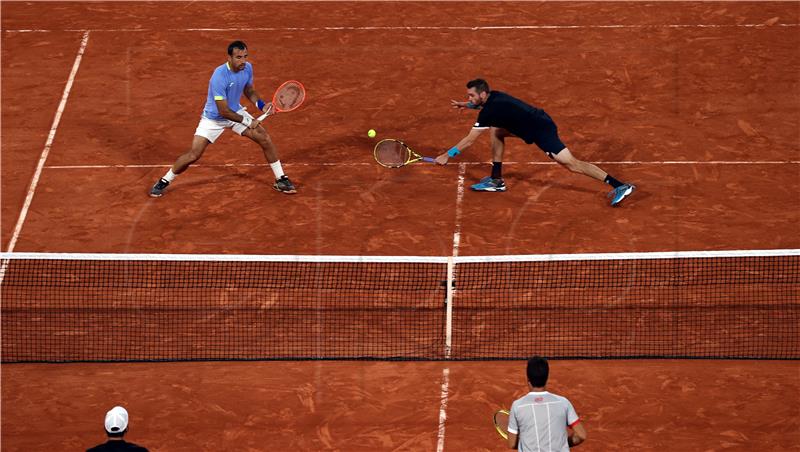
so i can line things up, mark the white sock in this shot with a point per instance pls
(277, 169)
(169, 176)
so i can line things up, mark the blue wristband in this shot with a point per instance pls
(471, 105)
(453, 151)
(260, 104)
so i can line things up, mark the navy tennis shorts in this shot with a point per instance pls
(546, 136)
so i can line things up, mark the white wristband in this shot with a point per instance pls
(246, 120)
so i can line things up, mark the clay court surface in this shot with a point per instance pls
(698, 104)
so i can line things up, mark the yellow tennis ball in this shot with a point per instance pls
(372, 133)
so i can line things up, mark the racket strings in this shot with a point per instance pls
(391, 153)
(289, 96)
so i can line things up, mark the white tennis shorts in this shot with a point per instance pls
(211, 129)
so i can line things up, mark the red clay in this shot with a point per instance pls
(354, 406)
(624, 94)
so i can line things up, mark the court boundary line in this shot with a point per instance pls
(413, 28)
(443, 397)
(344, 163)
(462, 172)
(443, 408)
(62, 105)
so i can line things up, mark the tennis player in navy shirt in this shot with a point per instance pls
(223, 111)
(506, 116)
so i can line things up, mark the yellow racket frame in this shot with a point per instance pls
(412, 156)
(501, 430)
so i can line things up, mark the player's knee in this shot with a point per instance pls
(570, 164)
(574, 166)
(259, 134)
(193, 155)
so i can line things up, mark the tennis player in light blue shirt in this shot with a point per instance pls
(224, 111)
(227, 85)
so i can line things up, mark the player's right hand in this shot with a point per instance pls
(457, 104)
(442, 159)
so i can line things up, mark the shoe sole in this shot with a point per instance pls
(287, 192)
(624, 195)
(154, 195)
(489, 189)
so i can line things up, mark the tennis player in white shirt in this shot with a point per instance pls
(539, 420)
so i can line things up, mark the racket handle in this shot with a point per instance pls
(269, 111)
(428, 159)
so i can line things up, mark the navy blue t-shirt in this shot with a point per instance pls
(118, 445)
(509, 113)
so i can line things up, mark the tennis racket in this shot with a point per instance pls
(289, 96)
(501, 423)
(393, 153)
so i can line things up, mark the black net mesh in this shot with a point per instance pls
(131, 310)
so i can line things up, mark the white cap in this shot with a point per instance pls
(116, 420)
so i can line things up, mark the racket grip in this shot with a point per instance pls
(263, 117)
(428, 159)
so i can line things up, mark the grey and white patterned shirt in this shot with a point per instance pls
(540, 420)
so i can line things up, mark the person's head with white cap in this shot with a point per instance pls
(116, 422)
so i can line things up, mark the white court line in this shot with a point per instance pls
(462, 169)
(413, 28)
(443, 409)
(343, 163)
(46, 151)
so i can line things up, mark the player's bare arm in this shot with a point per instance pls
(254, 97)
(227, 113)
(513, 440)
(578, 435)
(465, 142)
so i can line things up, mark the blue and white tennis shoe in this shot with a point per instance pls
(159, 187)
(489, 184)
(620, 193)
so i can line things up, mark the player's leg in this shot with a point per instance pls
(495, 182)
(199, 145)
(547, 139)
(567, 160)
(260, 136)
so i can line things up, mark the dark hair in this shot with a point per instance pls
(479, 84)
(538, 371)
(236, 45)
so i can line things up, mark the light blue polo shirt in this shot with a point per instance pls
(228, 85)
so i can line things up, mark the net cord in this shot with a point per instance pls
(399, 259)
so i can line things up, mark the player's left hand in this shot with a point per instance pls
(442, 159)
(268, 108)
(457, 104)
(254, 123)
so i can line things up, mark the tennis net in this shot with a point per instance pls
(136, 307)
